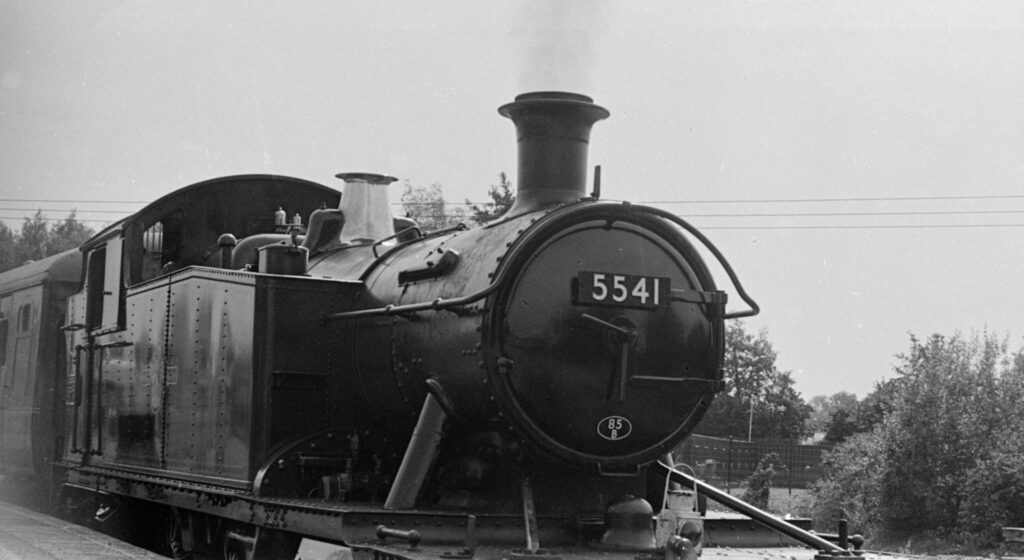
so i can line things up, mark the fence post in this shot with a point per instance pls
(728, 470)
(789, 467)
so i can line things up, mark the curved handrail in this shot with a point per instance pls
(754, 307)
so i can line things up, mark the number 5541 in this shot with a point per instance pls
(627, 290)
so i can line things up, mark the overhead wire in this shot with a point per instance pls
(879, 226)
(83, 214)
(694, 201)
(836, 199)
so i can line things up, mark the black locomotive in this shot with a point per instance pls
(210, 370)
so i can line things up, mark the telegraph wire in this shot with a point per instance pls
(82, 214)
(62, 201)
(46, 219)
(837, 199)
(75, 210)
(78, 219)
(854, 214)
(695, 201)
(78, 212)
(706, 227)
(880, 226)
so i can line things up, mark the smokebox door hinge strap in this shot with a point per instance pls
(693, 296)
(690, 384)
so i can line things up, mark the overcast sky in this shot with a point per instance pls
(890, 135)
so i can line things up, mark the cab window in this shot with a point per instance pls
(161, 248)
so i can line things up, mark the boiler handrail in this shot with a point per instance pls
(439, 303)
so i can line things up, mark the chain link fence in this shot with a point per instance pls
(727, 463)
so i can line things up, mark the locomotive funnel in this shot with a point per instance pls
(553, 134)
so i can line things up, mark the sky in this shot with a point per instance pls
(860, 163)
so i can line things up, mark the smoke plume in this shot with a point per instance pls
(559, 44)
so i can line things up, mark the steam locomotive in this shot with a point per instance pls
(227, 382)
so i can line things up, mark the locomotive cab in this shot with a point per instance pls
(152, 325)
(183, 228)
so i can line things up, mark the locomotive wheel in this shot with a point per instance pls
(232, 548)
(232, 552)
(170, 542)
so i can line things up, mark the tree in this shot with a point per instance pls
(873, 408)
(31, 245)
(993, 495)
(36, 240)
(428, 207)
(819, 416)
(942, 420)
(850, 487)
(7, 244)
(944, 455)
(67, 235)
(842, 425)
(839, 415)
(758, 400)
(823, 408)
(502, 198)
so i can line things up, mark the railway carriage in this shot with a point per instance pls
(32, 307)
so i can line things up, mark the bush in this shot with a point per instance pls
(944, 462)
(850, 488)
(993, 495)
(944, 412)
(759, 483)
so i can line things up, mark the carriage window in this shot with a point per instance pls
(3, 340)
(24, 318)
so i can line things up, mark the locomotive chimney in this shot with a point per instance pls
(553, 133)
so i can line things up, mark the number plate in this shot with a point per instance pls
(625, 290)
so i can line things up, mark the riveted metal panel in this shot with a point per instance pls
(73, 381)
(173, 391)
(208, 375)
(306, 379)
(133, 433)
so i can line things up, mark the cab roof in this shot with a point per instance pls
(237, 204)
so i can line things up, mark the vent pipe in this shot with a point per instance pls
(364, 205)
